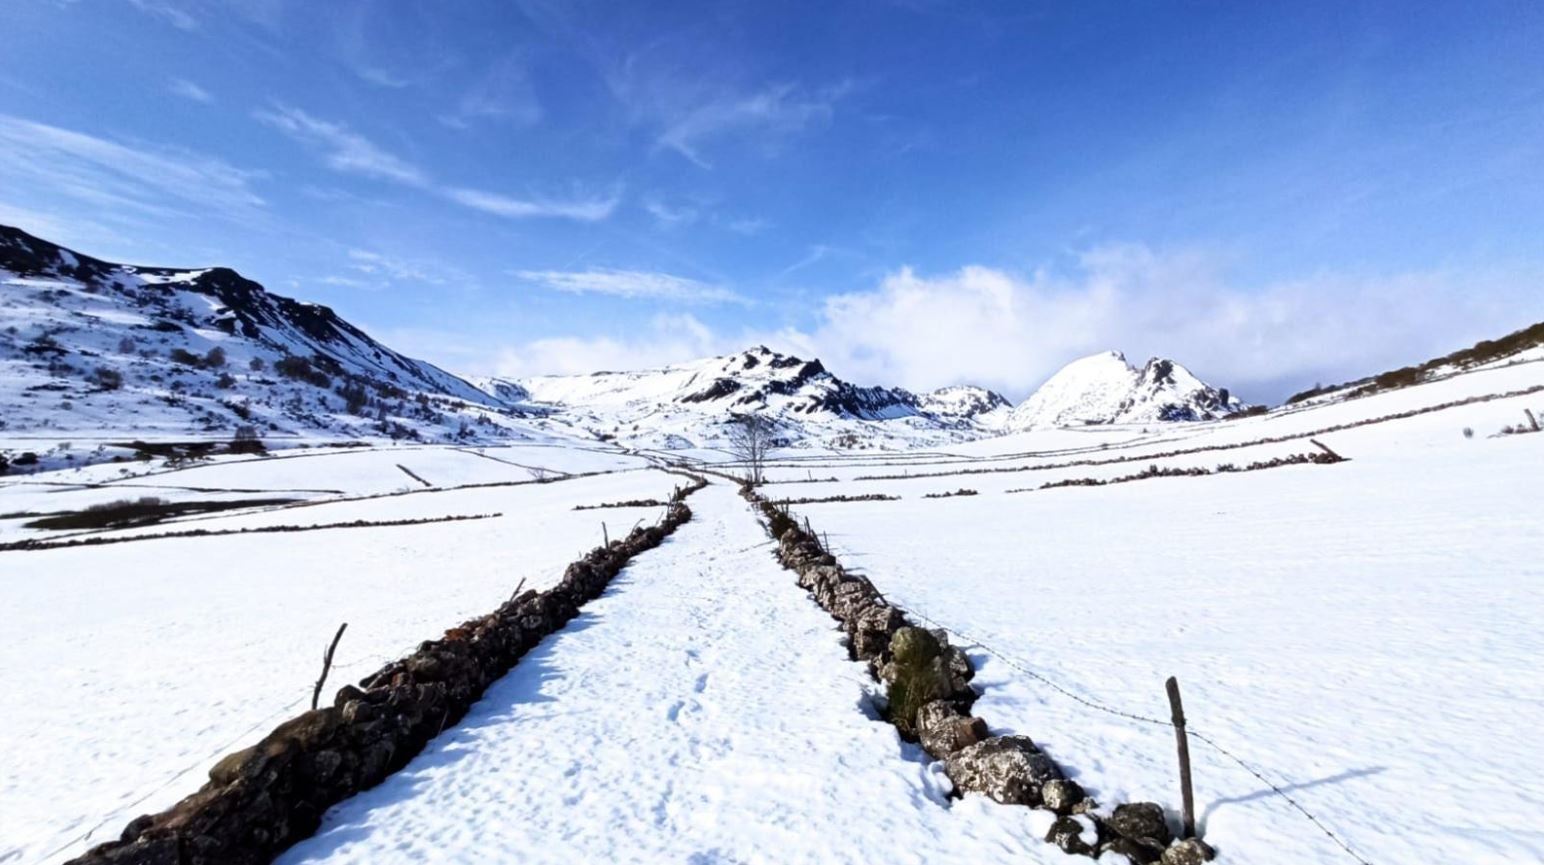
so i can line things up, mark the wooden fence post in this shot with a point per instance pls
(1532, 421)
(316, 693)
(1326, 448)
(1187, 797)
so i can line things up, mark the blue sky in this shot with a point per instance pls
(921, 193)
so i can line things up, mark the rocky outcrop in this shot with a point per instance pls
(262, 799)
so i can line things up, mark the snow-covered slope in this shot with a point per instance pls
(687, 404)
(1105, 389)
(987, 409)
(89, 345)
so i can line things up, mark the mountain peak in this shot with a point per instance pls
(1104, 388)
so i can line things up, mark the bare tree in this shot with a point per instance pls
(750, 438)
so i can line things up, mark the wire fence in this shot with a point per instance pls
(1088, 702)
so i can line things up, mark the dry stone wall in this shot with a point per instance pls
(927, 683)
(262, 799)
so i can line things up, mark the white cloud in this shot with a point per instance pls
(666, 339)
(989, 327)
(345, 150)
(1010, 332)
(188, 90)
(632, 284)
(118, 180)
(581, 210)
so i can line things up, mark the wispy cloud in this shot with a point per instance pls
(381, 77)
(119, 179)
(188, 90)
(670, 216)
(581, 210)
(747, 226)
(174, 14)
(343, 149)
(393, 268)
(502, 93)
(631, 284)
(349, 152)
(689, 113)
(774, 112)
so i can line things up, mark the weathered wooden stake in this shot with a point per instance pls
(605, 536)
(1326, 448)
(1532, 421)
(518, 587)
(1186, 796)
(316, 694)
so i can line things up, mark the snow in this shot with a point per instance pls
(130, 668)
(1363, 633)
(703, 710)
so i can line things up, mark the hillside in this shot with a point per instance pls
(1516, 347)
(91, 346)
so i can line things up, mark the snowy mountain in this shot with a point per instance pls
(1105, 389)
(90, 345)
(983, 407)
(687, 404)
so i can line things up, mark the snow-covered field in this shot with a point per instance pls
(702, 711)
(1365, 633)
(129, 668)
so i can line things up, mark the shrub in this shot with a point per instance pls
(256, 364)
(185, 357)
(127, 346)
(300, 369)
(246, 441)
(215, 358)
(109, 379)
(1468, 432)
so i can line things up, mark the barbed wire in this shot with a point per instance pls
(1259, 775)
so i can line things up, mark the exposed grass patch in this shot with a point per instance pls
(962, 491)
(633, 503)
(210, 533)
(144, 511)
(867, 497)
(1156, 471)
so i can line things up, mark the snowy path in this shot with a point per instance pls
(702, 711)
